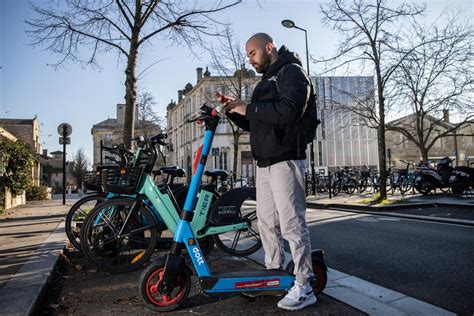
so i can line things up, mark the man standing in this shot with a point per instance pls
(278, 145)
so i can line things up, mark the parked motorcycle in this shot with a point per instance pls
(461, 179)
(428, 179)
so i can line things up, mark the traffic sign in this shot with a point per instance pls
(64, 129)
(61, 140)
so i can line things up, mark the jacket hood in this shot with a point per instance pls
(284, 57)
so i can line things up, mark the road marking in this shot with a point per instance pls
(388, 219)
(368, 219)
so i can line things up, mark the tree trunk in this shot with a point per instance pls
(131, 81)
(381, 137)
(424, 154)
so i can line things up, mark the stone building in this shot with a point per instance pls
(460, 147)
(52, 175)
(185, 138)
(110, 133)
(26, 131)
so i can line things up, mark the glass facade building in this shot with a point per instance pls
(343, 139)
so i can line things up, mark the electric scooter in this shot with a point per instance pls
(165, 284)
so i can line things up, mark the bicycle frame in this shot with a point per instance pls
(165, 208)
(164, 211)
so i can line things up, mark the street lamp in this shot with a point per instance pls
(290, 24)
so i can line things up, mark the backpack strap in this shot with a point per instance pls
(311, 91)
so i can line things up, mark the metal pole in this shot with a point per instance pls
(64, 164)
(456, 147)
(311, 147)
(330, 186)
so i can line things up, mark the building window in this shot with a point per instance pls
(223, 160)
(438, 143)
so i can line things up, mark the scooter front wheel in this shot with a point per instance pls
(149, 282)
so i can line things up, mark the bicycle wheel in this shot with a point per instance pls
(336, 187)
(117, 240)
(245, 241)
(405, 185)
(362, 186)
(149, 282)
(76, 215)
(445, 189)
(350, 186)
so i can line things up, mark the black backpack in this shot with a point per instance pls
(309, 121)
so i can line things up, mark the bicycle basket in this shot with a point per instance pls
(121, 181)
(93, 180)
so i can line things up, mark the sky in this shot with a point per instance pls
(83, 97)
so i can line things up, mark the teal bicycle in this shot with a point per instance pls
(121, 234)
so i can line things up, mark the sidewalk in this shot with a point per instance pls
(32, 239)
(441, 207)
(394, 199)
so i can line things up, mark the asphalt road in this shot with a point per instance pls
(429, 261)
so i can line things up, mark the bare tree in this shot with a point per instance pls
(369, 30)
(230, 61)
(149, 122)
(79, 166)
(124, 26)
(433, 80)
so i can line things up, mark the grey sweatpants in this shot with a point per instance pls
(281, 208)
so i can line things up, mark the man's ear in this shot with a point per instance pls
(269, 47)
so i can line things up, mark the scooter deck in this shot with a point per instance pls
(247, 281)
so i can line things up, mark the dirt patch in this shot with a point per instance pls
(80, 289)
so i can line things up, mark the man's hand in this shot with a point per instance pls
(224, 99)
(237, 106)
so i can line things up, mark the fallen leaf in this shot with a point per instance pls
(54, 306)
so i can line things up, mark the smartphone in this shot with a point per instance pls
(222, 98)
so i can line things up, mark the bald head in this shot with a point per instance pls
(262, 39)
(261, 50)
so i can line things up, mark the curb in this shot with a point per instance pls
(368, 297)
(382, 211)
(23, 293)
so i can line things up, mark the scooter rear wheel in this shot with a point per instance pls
(320, 272)
(148, 283)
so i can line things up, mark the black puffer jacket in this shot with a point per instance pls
(272, 117)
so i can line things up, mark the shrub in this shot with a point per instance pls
(17, 160)
(34, 193)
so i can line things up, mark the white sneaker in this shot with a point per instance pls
(298, 297)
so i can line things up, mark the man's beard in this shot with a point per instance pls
(262, 66)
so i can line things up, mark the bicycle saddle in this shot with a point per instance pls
(172, 171)
(217, 173)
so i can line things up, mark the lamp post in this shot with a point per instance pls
(290, 24)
